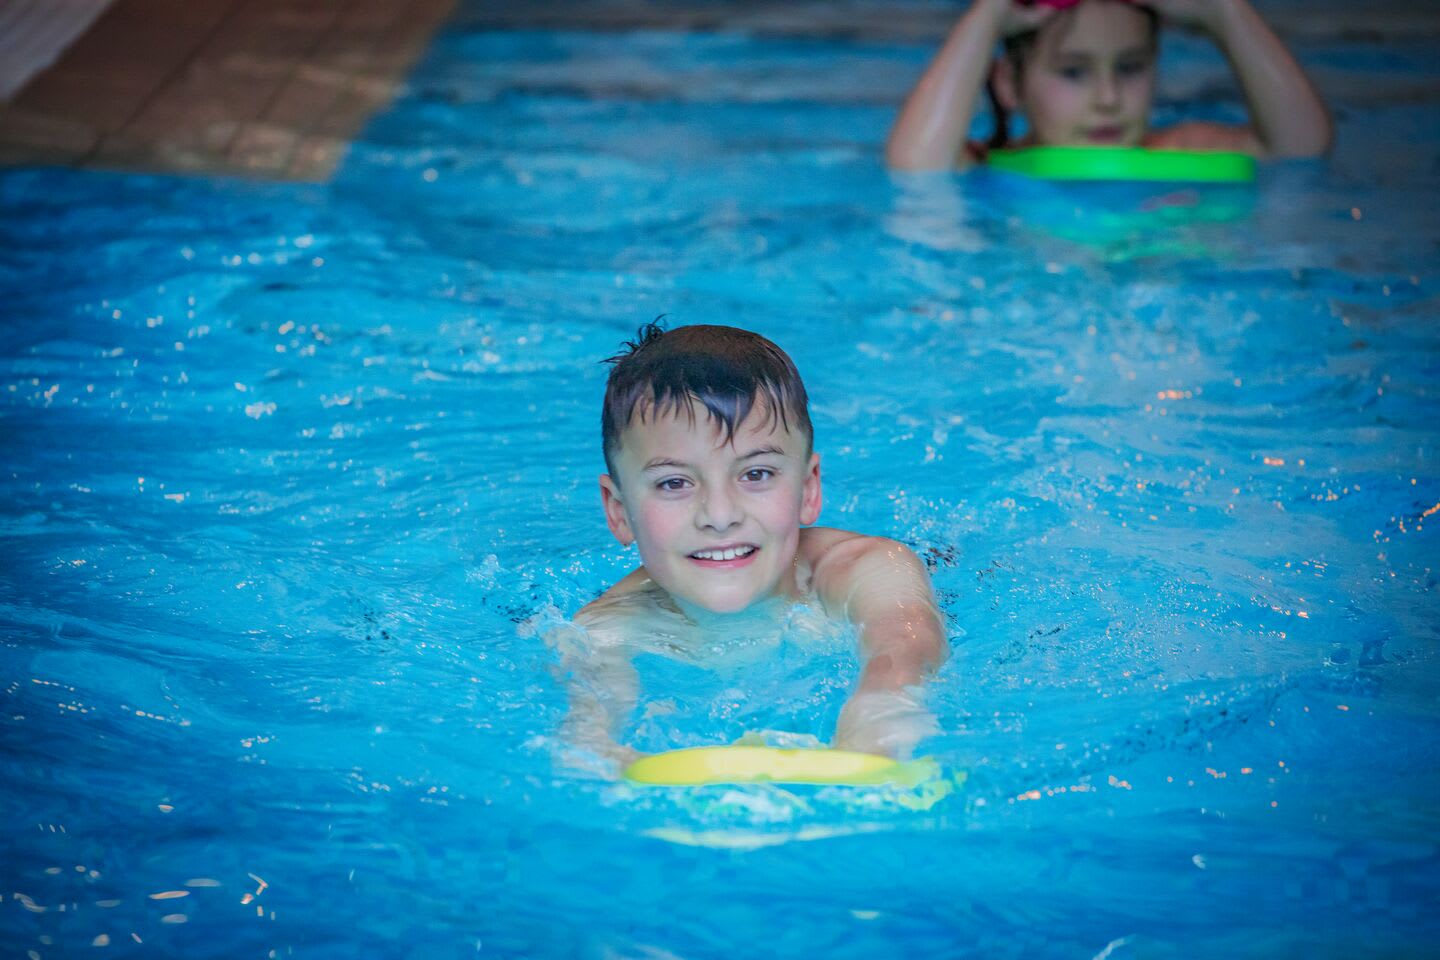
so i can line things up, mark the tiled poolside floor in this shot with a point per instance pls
(277, 88)
(268, 88)
(899, 20)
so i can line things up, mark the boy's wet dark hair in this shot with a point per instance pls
(726, 369)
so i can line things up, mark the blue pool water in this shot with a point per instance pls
(295, 474)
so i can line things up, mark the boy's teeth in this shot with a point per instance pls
(729, 553)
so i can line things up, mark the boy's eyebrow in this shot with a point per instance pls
(661, 463)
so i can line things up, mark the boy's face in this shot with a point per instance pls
(717, 523)
(1090, 77)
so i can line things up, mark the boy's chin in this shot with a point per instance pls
(722, 605)
(718, 607)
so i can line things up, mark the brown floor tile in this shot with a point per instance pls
(316, 158)
(263, 147)
(81, 99)
(37, 131)
(311, 93)
(194, 141)
(270, 32)
(21, 155)
(361, 98)
(206, 89)
(132, 35)
(260, 87)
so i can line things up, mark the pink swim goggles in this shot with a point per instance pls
(1060, 4)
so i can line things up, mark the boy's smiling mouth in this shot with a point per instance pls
(735, 555)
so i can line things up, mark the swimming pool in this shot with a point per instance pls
(294, 472)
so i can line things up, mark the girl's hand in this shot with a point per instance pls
(1202, 15)
(1021, 17)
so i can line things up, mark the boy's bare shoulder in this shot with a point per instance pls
(636, 581)
(815, 542)
(839, 566)
(633, 611)
(830, 548)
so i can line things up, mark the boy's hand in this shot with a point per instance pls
(884, 589)
(606, 760)
(602, 687)
(888, 722)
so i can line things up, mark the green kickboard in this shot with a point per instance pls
(1126, 163)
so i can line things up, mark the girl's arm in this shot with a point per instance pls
(930, 132)
(1289, 118)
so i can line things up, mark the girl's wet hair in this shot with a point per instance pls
(1017, 48)
(725, 369)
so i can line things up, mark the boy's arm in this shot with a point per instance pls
(933, 123)
(883, 588)
(1288, 116)
(602, 686)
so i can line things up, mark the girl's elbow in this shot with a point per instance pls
(1312, 141)
(906, 157)
(1313, 147)
(902, 159)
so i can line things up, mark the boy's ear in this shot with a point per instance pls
(810, 497)
(615, 517)
(1005, 83)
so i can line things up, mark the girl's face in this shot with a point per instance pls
(1089, 78)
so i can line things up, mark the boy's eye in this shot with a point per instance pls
(671, 484)
(1072, 73)
(757, 474)
(1131, 68)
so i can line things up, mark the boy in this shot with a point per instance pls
(711, 473)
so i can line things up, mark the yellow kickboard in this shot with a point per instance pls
(697, 766)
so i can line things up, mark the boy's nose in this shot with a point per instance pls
(718, 510)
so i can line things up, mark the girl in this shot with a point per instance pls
(1083, 72)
